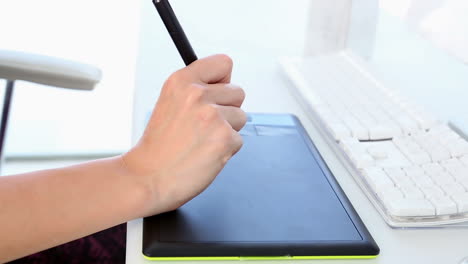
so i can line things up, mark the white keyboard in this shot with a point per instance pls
(413, 168)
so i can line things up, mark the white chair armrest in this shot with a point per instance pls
(47, 70)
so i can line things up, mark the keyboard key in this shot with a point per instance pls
(399, 177)
(448, 138)
(464, 160)
(417, 157)
(361, 159)
(424, 120)
(390, 194)
(442, 179)
(432, 191)
(440, 130)
(459, 175)
(464, 183)
(452, 188)
(459, 148)
(377, 179)
(395, 173)
(462, 202)
(339, 130)
(423, 181)
(394, 157)
(377, 153)
(383, 131)
(414, 171)
(411, 207)
(406, 123)
(433, 168)
(412, 192)
(444, 205)
(351, 145)
(439, 153)
(357, 129)
(400, 141)
(453, 166)
(412, 146)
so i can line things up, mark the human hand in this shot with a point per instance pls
(190, 136)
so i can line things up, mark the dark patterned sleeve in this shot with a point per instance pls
(104, 247)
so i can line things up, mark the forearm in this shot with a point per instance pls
(43, 209)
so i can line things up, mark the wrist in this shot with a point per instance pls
(142, 180)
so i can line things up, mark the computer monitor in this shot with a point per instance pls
(419, 47)
(442, 22)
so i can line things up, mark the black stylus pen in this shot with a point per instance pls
(175, 30)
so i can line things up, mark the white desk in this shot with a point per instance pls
(267, 91)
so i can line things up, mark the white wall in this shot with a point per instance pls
(54, 121)
(443, 22)
(247, 30)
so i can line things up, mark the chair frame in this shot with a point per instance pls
(5, 114)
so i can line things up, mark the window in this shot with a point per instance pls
(51, 121)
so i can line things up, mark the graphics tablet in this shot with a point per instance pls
(276, 199)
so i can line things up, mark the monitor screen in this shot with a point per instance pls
(420, 48)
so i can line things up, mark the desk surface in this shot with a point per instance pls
(267, 91)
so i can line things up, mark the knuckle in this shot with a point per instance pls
(220, 148)
(239, 142)
(224, 138)
(209, 113)
(232, 147)
(226, 60)
(225, 149)
(172, 80)
(243, 118)
(225, 134)
(242, 94)
(239, 94)
(225, 159)
(172, 83)
(195, 93)
(177, 79)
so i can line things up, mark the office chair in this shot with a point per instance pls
(20, 66)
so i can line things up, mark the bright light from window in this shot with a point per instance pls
(104, 33)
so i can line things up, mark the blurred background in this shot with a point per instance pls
(52, 127)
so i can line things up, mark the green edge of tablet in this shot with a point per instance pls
(254, 258)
